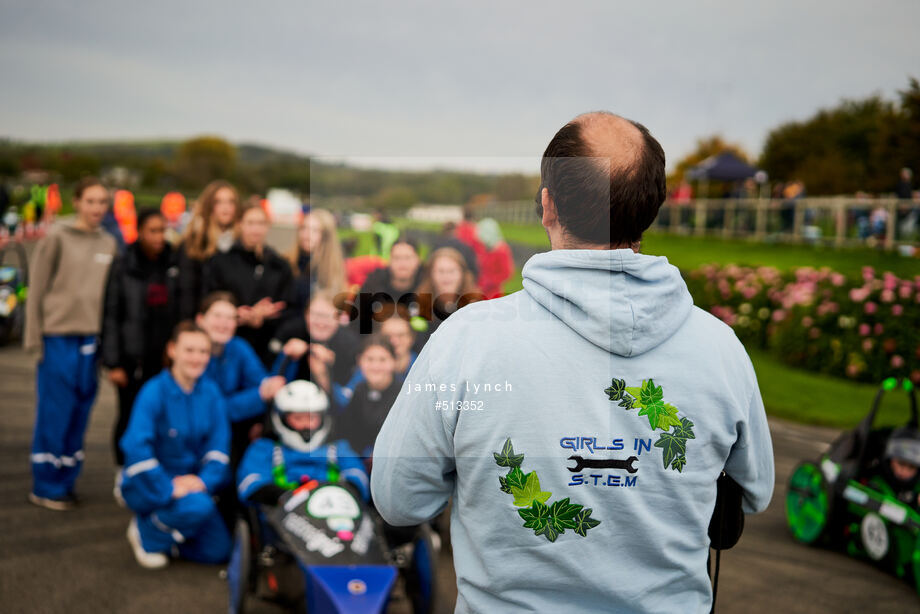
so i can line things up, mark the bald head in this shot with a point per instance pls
(610, 136)
(606, 177)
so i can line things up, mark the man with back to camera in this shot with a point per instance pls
(581, 424)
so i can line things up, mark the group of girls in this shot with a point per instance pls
(235, 321)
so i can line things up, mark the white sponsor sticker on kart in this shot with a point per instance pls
(830, 469)
(851, 493)
(332, 502)
(894, 513)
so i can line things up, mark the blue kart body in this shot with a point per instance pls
(329, 545)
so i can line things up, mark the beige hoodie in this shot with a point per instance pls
(68, 273)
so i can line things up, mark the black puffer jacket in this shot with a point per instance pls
(250, 279)
(141, 309)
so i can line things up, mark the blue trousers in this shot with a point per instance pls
(192, 524)
(66, 388)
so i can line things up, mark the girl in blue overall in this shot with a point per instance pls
(236, 369)
(176, 458)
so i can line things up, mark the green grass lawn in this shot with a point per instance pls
(689, 253)
(812, 398)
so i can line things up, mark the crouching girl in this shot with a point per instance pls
(176, 457)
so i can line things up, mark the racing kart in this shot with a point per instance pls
(841, 502)
(323, 550)
(13, 288)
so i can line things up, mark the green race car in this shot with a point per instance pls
(862, 495)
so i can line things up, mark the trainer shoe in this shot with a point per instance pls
(147, 560)
(59, 505)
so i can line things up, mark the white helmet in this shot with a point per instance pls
(296, 397)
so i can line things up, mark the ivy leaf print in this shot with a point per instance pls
(684, 429)
(679, 463)
(525, 497)
(507, 457)
(660, 415)
(671, 447)
(650, 394)
(535, 517)
(564, 513)
(549, 531)
(616, 389)
(503, 481)
(515, 478)
(627, 402)
(584, 522)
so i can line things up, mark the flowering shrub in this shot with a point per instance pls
(865, 328)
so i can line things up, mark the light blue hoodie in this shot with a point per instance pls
(602, 357)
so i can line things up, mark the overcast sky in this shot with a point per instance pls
(428, 83)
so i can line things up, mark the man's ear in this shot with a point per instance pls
(549, 208)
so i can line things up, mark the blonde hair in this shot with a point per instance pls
(326, 260)
(200, 236)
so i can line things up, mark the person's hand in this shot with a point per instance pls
(118, 376)
(180, 489)
(270, 386)
(244, 314)
(186, 484)
(250, 316)
(295, 348)
(268, 309)
(323, 353)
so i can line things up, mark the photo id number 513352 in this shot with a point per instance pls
(459, 405)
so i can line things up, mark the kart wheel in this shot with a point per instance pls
(239, 568)
(422, 574)
(807, 504)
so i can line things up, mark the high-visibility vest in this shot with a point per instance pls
(267, 208)
(172, 207)
(53, 198)
(126, 215)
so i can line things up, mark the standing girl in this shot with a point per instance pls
(63, 317)
(140, 312)
(211, 230)
(316, 258)
(258, 277)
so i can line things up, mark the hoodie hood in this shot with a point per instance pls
(621, 301)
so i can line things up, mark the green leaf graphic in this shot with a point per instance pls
(525, 497)
(660, 415)
(616, 389)
(507, 457)
(549, 531)
(627, 402)
(650, 394)
(679, 463)
(584, 522)
(503, 481)
(536, 516)
(684, 429)
(515, 478)
(564, 513)
(671, 447)
(633, 392)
